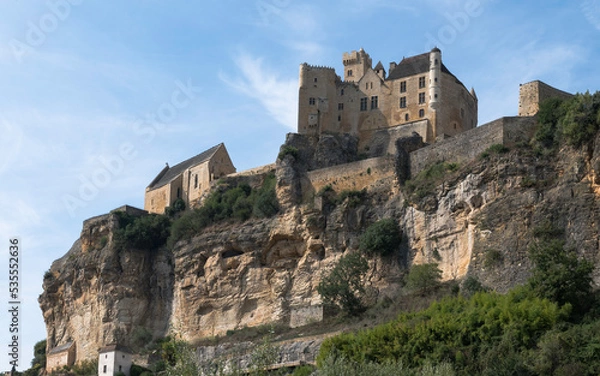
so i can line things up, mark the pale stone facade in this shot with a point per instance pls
(533, 93)
(114, 359)
(188, 180)
(369, 99)
(60, 356)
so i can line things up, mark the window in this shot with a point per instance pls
(435, 62)
(178, 192)
(342, 92)
(421, 82)
(340, 106)
(349, 72)
(363, 104)
(315, 79)
(104, 369)
(402, 102)
(367, 86)
(311, 101)
(421, 98)
(406, 117)
(374, 102)
(421, 112)
(339, 117)
(196, 181)
(120, 368)
(403, 87)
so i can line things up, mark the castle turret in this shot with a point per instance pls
(435, 69)
(316, 95)
(356, 65)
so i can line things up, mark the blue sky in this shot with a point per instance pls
(97, 95)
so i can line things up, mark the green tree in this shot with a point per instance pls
(382, 237)
(343, 285)
(581, 119)
(423, 278)
(559, 275)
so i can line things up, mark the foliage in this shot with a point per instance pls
(142, 232)
(305, 370)
(84, 368)
(343, 286)
(423, 278)
(382, 237)
(492, 258)
(581, 119)
(339, 365)
(287, 150)
(177, 207)
(559, 275)
(239, 202)
(425, 182)
(136, 370)
(181, 360)
(354, 197)
(495, 149)
(550, 112)
(463, 331)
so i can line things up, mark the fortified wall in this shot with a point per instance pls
(467, 146)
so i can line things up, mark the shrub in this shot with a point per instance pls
(495, 149)
(551, 111)
(423, 278)
(146, 232)
(136, 370)
(354, 197)
(471, 286)
(382, 237)
(287, 150)
(266, 204)
(492, 258)
(343, 286)
(559, 275)
(103, 242)
(581, 118)
(425, 182)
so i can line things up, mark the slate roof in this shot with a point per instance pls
(61, 348)
(379, 66)
(409, 66)
(170, 173)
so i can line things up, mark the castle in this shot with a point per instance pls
(419, 94)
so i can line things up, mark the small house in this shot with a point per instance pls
(113, 359)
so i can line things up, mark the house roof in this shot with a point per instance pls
(61, 348)
(379, 66)
(170, 173)
(409, 66)
(111, 348)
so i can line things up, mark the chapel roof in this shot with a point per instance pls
(61, 348)
(170, 173)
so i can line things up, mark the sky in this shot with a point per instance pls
(96, 96)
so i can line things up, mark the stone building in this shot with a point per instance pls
(187, 180)
(114, 359)
(419, 94)
(60, 356)
(533, 93)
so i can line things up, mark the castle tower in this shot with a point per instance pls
(356, 65)
(316, 95)
(435, 73)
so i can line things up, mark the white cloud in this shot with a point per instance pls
(277, 95)
(591, 10)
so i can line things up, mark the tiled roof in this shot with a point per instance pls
(61, 348)
(170, 173)
(410, 66)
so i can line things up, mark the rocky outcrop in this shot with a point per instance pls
(478, 221)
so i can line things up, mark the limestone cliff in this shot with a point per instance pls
(478, 220)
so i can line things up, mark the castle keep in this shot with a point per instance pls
(419, 94)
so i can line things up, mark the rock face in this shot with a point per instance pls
(478, 221)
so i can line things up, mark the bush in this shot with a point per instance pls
(146, 232)
(551, 111)
(287, 150)
(382, 237)
(266, 204)
(492, 258)
(136, 370)
(581, 118)
(354, 197)
(423, 278)
(343, 286)
(560, 276)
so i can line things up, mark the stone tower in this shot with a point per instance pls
(356, 64)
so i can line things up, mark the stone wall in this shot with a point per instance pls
(384, 141)
(533, 93)
(469, 145)
(353, 176)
